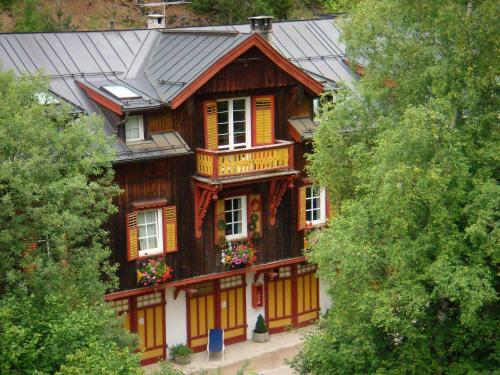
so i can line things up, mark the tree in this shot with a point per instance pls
(411, 159)
(56, 192)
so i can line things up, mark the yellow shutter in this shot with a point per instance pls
(210, 119)
(170, 229)
(301, 215)
(220, 221)
(132, 237)
(263, 120)
(254, 217)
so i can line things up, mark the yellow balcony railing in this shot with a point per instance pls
(216, 164)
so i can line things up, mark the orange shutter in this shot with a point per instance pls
(263, 120)
(301, 214)
(220, 221)
(132, 237)
(169, 229)
(254, 217)
(210, 119)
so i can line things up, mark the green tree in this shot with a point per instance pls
(411, 158)
(56, 192)
(32, 16)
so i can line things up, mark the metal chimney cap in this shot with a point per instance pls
(260, 17)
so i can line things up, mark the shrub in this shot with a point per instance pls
(260, 326)
(180, 350)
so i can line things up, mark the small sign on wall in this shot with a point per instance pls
(257, 295)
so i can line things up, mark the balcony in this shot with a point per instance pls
(219, 164)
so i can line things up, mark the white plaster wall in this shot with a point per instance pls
(176, 318)
(325, 302)
(252, 313)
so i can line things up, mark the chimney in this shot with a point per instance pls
(262, 25)
(156, 21)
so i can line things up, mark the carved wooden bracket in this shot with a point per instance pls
(276, 190)
(204, 194)
(189, 291)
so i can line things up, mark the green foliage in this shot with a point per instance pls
(32, 16)
(260, 325)
(412, 157)
(230, 11)
(180, 350)
(339, 6)
(56, 191)
(166, 368)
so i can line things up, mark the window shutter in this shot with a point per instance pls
(210, 119)
(254, 217)
(132, 237)
(263, 120)
(220, 221)
(301, 214)
(169, 229)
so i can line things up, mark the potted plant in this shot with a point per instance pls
(181, 354)
(238, 254)
(260, 333)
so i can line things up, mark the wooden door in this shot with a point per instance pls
(307, 294)
(122, 308)
(201, 315)
(279, 314)
(150, 326)
(232, 312)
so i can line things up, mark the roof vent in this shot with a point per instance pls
(262, 25)
(156, 21)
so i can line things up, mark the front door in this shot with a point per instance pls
(279, 300)
(307, 294)
(232, 314)
(150, 326)
(201, 314)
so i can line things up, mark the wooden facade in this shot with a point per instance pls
(170, 178)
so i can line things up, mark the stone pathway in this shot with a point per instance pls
(264, 359)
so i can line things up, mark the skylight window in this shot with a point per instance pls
(121, 92)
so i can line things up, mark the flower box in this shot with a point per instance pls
(238, 254)
(153, 271)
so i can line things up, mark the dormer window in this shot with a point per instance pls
(233, 123)
(134, 129)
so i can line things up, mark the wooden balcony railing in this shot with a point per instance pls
(215, 164)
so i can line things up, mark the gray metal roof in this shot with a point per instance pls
(312, 45)
(304, 126)
(181, 57)
(159, 64)
(163, 144)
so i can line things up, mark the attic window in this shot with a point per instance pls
(121, 92)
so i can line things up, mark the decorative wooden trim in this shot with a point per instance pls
(277, 189)
(255, 40)
(200, 279)
(144, 205)
(204, 194)
(101, 99)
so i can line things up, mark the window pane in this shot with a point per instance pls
(308, 216)
(223, 128)
(239, 116)
(153, 243)
(152, 230)
(236, 203)
(239, 104)
(222, 106)
(237, 228)
(141, 218)
(143, 244)
(222, 117)
(229, 229)
(239, 127)
(240, 138)
(223, 140)
(151, 216)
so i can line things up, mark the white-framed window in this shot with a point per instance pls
(236, 217)
(233, 123)
(315, 205)
(134, 129)
(316, 106)
(150, 232)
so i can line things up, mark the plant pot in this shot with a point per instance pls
(182, 359)
(260, 337)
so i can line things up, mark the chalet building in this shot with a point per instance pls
(211, 128)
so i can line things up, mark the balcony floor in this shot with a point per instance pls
(262, 176)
